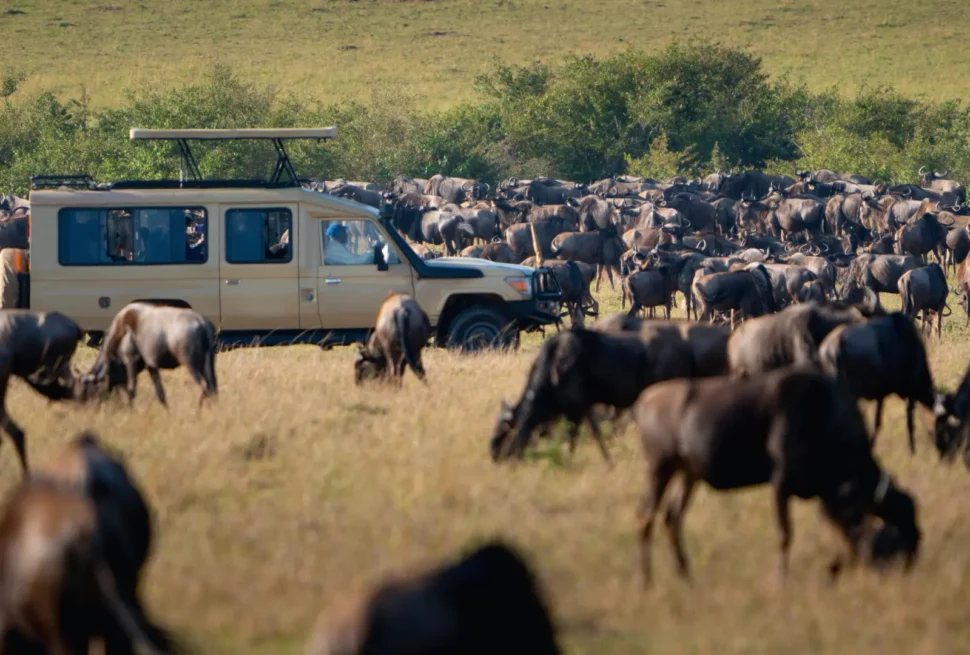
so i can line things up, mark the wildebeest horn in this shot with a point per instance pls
(907, 192)
(702, 244)
(944, 174)
(685, 223)
(921, 170)
(496, 239)
(488, 187)
(718, 172)
(952, 220)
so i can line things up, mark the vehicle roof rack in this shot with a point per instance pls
(284, 175)
(48, 181)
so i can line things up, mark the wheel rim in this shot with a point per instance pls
(480, 336)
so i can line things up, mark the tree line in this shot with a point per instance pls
(691, 108)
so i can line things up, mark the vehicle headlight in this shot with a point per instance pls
(521, 284)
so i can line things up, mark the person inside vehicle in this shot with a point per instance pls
(336, 250)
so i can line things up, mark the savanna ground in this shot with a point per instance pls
(297, 487)
(340, 49)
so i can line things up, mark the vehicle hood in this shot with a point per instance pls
(485, 266)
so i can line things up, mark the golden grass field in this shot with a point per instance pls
(296, 487)
(339, 49)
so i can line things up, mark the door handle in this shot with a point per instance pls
(232, 282)
(333, 280)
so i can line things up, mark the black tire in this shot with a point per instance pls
(480, 327)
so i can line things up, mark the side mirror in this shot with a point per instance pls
(379, 257)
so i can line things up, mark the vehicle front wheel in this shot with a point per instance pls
(479, 328)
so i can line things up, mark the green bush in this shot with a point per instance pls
(690, 108)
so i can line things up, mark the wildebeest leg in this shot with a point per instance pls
(157, 381)
(572, 437)
(675, 524)
(131, 384)
(599, 439)
(599, 276)
(875, 429)
(910, 405)
(783, 517)
(658, 477)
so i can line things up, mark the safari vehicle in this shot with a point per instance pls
(258, 257)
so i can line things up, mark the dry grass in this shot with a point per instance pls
(336, 49)
(298, 487)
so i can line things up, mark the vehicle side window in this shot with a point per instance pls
(255, 236)
(127, 236)
(353, 242)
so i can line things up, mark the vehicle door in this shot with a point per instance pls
(350, 286)
(259, 272)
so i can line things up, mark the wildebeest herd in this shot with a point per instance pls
(758, 386)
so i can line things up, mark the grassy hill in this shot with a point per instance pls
(336, 49)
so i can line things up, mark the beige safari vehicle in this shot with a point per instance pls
(270, 262)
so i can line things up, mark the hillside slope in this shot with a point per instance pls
(335, 49)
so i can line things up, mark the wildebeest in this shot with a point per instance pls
(602, 248)
(75, 538)
(878, 358)
(36, 347)
(793, 428)
(400, 333)
(145, 335)
(951, 412)
(753, 183)
(485, 602)
(791, 336)
(572, 372)
(748, 292)
(923, 291)
(952, 190)
(646, 290)
(921, 236)
(519, 237)
(879, 273)
(455, 189)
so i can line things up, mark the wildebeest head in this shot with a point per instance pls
(897, 509)
(368, 365)
(500, 447)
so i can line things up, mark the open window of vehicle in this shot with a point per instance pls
(132, 236)
(256, 236)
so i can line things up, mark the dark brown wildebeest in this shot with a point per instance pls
(922, 235)
(455, 189)
(811, 291)
(646, 290)
(878, 358)
(924, 290)
(791, 336)
(145, 335)
(963, 286)
(400, 333)
(36, 347)
(879, 273)
(519, 237)
(75, 539)
(747, 292)
(793, 428)
(950, 412)
(485, 602)
(952, 191)
(572, 372)
(751, 183)
(957, 244)
(602, 248)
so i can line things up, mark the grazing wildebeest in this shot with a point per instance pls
(455, 189)
(401, 331)
(75, 539)
(488, 601)
(923, 291)
(878, 358)
(36, 347)
(794, 428)
(880, 273)
(146, 335)
(950, 412)
(573, 371)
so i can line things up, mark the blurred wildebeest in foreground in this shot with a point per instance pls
(75, 539)
(794, 428)
(487, 602)
(36, 347)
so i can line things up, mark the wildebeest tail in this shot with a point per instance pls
(209, 353)
(130, 616)
(401, 320)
